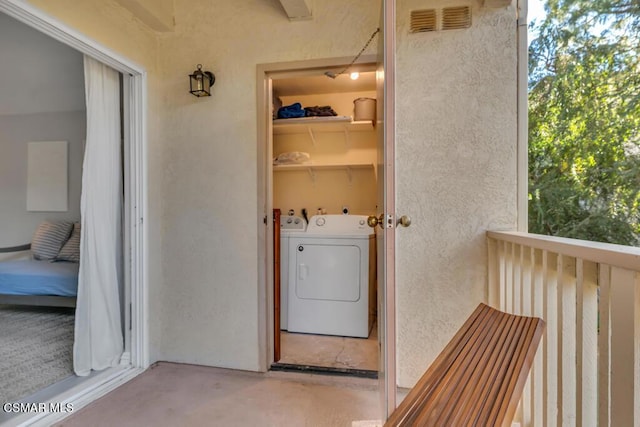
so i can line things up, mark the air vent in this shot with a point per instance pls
(423, 20)
(455, 18)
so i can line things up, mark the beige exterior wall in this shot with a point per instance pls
(156, 14)
(456, 162)
(456, 171)
(210, 255)
(203, 155)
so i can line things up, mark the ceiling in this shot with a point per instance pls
(318, 84)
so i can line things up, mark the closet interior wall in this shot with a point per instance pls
(325, 185)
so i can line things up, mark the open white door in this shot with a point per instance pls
(385, 222)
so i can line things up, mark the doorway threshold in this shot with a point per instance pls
(325, 370)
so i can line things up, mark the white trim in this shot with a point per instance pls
(137, 137)
(265, 230)
(126, 219)
(139, 233)
(389, 357)
(79, 396)
(264, 74)
(522, 179)
(42, 22)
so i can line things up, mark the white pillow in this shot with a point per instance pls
(71, 249)
(49, 238)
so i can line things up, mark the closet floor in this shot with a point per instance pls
(330, 351)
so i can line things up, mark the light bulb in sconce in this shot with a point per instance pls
(200, 82)
(354, 75)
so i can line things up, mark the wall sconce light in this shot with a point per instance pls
(200, 82)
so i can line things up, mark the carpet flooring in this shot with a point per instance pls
(36, 349)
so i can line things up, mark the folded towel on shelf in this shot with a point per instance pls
(292, 158)
(325, 110)
(291, 111)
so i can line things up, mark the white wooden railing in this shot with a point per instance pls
(587, 369)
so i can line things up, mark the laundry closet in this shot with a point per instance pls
(324, 184)
(341, 169)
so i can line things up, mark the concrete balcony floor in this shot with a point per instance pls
(171, 394)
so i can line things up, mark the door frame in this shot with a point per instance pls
(264, 75)
(386, 54)
(135, 358)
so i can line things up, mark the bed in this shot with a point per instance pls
(41, 282)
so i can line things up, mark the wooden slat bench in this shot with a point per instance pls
(478, 378)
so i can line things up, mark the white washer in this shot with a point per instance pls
(288, 224)
(332, 277)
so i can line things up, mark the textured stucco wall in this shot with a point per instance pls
(202, 158)
(116, 28)
(210, 259)
(456, 152)
(156, 14)
(456, 171)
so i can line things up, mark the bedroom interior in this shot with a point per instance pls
(37, 340)
(44, 199)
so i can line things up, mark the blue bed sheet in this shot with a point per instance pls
(33, 277)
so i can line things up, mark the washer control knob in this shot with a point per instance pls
(289, 220)
(362, 222)
(297, 221)
(320, 222)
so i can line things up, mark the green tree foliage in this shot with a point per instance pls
(584, 121)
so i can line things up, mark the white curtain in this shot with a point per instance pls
(98, 334)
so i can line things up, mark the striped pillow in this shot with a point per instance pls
(49, 238)
(71, 250)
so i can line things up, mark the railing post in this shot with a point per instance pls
(537, 406)
(625, 342)
(588, 293)
(604, 347)
(550, 338)
(566, 340)
(508, 277)
(502, 267)
(516, 279)
(503, 271)
(586, 343)
(493, 273)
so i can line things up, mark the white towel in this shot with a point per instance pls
(292, 158)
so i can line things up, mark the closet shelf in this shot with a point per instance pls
(319, 124)
(323, 166)
(312, 168)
